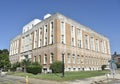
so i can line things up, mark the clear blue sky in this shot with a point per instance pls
(102, 16)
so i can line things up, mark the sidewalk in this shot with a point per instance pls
(96, 80)
(92, 80)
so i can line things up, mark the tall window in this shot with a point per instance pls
(45, 35)
(68, 58)
(35, 39)
(45, 59)
(39, 59)
(79, 38)
(79, 43)
(51, 32)
(105, 49)
(62, 32)
(86, 42)
(101, 43)
(78, 59)
(45, 40)
(51, 58)
(62, 39)
(40, 37)
(97, 45)
(72, 41)
(92, 43)
(73, 58)
(72, 35)
(34, 58)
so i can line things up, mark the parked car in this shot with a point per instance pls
(3, 73)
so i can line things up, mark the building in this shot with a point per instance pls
(47, 40)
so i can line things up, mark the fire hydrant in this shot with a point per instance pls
(26, 79)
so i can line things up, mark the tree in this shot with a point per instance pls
(118, 65)
(25, 63)
(56, 67)
(14, 66)
(4, 59)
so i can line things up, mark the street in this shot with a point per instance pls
(21, 80)
(12, 80)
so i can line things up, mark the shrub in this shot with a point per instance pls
(34, 68)
(118, 65)
(56, 67)
(14, 66)
(103, 67)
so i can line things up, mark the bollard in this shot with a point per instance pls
(26, 79)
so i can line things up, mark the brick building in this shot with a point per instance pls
(46, 40)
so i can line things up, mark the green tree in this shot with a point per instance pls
(25, 63)
(118, 65)
(14, 66)
(56, 67)
(4, 59)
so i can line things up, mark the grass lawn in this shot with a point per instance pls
(58, 77)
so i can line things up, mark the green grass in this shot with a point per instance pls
(58, 77)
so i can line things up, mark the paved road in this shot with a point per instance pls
(12, 80)
(21, 80)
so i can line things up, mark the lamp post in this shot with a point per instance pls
(63, 64)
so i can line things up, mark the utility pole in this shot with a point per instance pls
(62, 64)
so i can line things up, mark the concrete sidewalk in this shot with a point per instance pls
(92, 80)
(96, 80)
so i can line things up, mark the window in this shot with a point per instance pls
(86, 42)
(62, 27)
(62, 39)
(68, 58)
(40, 38)
(52, 39)
(45, 59)
(72, 36)
(63, 32)
(39, 59)
(51, 58)
(73, 58)
(45, 35)
(101, 43)
(105, 50)
(51, 32)
(79, 37)
(34, 58)
(78, 32)
(40, 43)
(72, 41)
(97, 45)
(79, 43)
(45, 40)
(92, 43)
(78, 59)
(35, 39)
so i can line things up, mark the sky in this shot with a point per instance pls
(103, 16)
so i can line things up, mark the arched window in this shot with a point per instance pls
(45, 59)
(51, 58)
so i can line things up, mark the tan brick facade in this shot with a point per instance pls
(69, 37)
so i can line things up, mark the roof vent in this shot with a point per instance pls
(47, 16)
